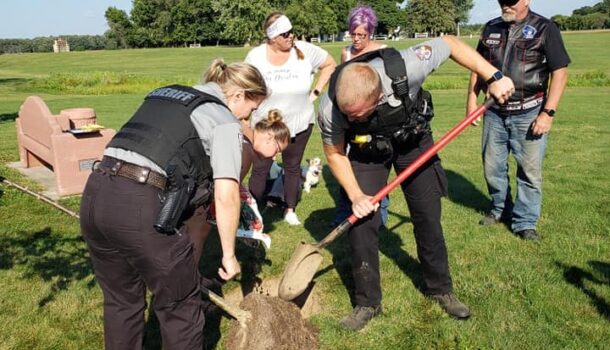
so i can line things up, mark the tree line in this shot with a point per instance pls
(45, 44)
(163, 23)
(587, 17)
(175, 23)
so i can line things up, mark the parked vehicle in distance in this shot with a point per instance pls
(380, 37)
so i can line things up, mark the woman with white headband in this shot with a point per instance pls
(288, 66)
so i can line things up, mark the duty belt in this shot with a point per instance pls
(526, 103)
(130, 171)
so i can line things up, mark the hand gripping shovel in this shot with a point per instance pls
(307, 257)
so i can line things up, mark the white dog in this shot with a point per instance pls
(311, 173)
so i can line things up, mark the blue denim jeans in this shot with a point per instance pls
(503, 134)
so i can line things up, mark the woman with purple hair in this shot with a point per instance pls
(362, 22)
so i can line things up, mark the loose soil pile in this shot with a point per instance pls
(275, 324)
(308, 302)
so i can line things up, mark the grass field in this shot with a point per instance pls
(554, 294)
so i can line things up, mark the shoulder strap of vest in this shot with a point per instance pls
(185, 95)
(394, 67)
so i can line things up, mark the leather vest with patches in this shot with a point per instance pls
(161, 130)
(517, 49)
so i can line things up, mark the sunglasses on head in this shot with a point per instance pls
(508, 2)
(287, 34)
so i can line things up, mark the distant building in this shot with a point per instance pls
(61, 45)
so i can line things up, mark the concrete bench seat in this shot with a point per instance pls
(57, 142)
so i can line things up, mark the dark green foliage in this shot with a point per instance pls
(341, 10)
(311, 18)
(45, 44)
(120, 27)
(389, 15)
(430, 16)
(242, 21)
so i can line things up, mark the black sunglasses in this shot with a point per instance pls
(286, 35)
(507, 2)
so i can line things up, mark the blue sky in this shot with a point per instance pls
(32, 18)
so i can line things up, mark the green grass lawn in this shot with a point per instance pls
(552, 294)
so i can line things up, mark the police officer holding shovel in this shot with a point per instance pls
(156, 169)
(376, 103)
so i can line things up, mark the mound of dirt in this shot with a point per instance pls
(308, 302)
(275, 324)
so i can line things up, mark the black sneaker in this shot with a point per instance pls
(450, 303)
(489, 219)
(360, 316)
(528, 235)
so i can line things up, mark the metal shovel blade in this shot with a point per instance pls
(305, 261)
(300, 270)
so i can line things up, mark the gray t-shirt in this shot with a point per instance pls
(220, 135)
(421, 60)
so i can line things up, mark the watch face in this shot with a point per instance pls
(498, 75)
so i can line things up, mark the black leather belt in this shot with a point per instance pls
(130, 171)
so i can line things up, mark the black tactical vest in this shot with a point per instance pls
(386, 120)
(517, 50)
(162, 131)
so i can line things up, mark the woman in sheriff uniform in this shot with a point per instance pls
(179, 138)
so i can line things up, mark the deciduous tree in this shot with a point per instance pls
(389, 15)
(120, 26)
(311, 18)
(462, 13)
(431, 16)
(242, 19)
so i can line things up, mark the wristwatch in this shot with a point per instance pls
(495, 77)
(549, 111)
(316, 92)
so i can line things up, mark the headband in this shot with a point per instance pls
(281, 25)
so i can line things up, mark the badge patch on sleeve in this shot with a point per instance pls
(529, 32)
(423, 52)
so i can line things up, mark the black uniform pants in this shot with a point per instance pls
(423, 191)
(128, 255)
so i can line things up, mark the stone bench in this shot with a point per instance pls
(57, 142)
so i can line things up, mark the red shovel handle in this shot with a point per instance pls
(424, 157)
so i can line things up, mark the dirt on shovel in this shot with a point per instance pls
(275, 323)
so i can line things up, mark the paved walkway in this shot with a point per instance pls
(42, 175)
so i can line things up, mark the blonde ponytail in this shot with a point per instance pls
(236, 75)
(274, 124)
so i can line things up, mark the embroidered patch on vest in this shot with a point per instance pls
(529, 32)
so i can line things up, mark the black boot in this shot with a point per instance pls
(450, 303)
(360, 316)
